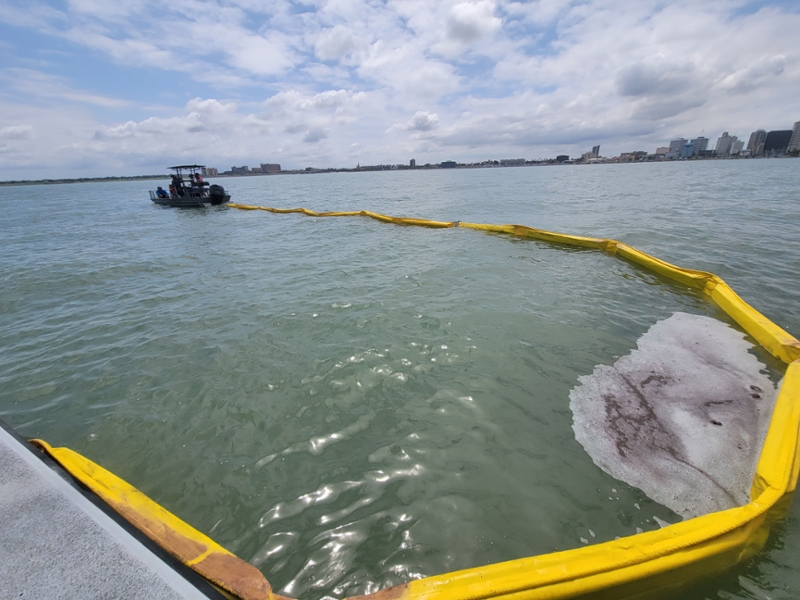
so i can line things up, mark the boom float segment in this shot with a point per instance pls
(192, 548)
(638, 566)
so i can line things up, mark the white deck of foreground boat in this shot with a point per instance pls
(55, 543)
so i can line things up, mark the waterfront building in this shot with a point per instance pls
(412, 163)
(777, 142)
(270, 168)
(512, 162)
(562, 158)
(662, 150)
(699, 144)
(240, 170)
(210, 172)
(636, 156)
(595, 153)
(756, 143)
(737, 147)
(688, 150)
(724, 144)
(676, 144)
(794, 141)
(675, 148)
(448, 164)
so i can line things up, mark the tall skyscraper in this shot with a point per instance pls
(700, 144)
(596, 150)
(724, 144)
(675, 148)
(676, 144)
(777, 142)
(794, 143)
(756, 143)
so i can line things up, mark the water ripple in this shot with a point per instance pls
(350, 405)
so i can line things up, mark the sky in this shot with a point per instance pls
(105, 87)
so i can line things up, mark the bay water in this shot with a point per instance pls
(348, 404)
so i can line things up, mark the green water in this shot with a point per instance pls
(348, 404)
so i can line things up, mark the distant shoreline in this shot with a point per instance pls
(311, 170)
(80, 180)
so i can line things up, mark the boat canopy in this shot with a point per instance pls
(188, 167)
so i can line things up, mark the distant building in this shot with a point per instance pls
(210, 172)
(636, 156)
(412, 163)
(662, 150)
(676, 144)
(448, 164)
(675, 148)
(688, 150)
(562, 158)
(756, 143)
(737, 147)
(794, 142)
(512, 162)
(724, 144)
(699, 144)
(595, 153)
(777, 142)
(270, 168)
(240, 170)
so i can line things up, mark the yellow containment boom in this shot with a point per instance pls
(184, 542)
(638, 566)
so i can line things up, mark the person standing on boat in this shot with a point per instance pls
(178, 184)
(200, 183)
(195, 187)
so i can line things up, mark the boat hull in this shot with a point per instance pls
(190, 202)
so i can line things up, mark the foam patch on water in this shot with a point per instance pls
(683, 417)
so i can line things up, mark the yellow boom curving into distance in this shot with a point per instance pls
(637, 566)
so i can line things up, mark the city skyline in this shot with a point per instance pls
(95, 89)
(784, 142)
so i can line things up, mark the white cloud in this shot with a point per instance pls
(755, 74)
(538, 12)
(421, 121)
(315, 135)
(17, 132)
(656, 78)
(334, 43)
(468, 22)
(325, 82)
(42, 85)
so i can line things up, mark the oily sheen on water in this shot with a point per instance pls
(683, 417)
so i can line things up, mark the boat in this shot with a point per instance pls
(188, 190)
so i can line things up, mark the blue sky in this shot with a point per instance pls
(97, 87)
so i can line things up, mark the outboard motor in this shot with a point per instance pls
(217, 194)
